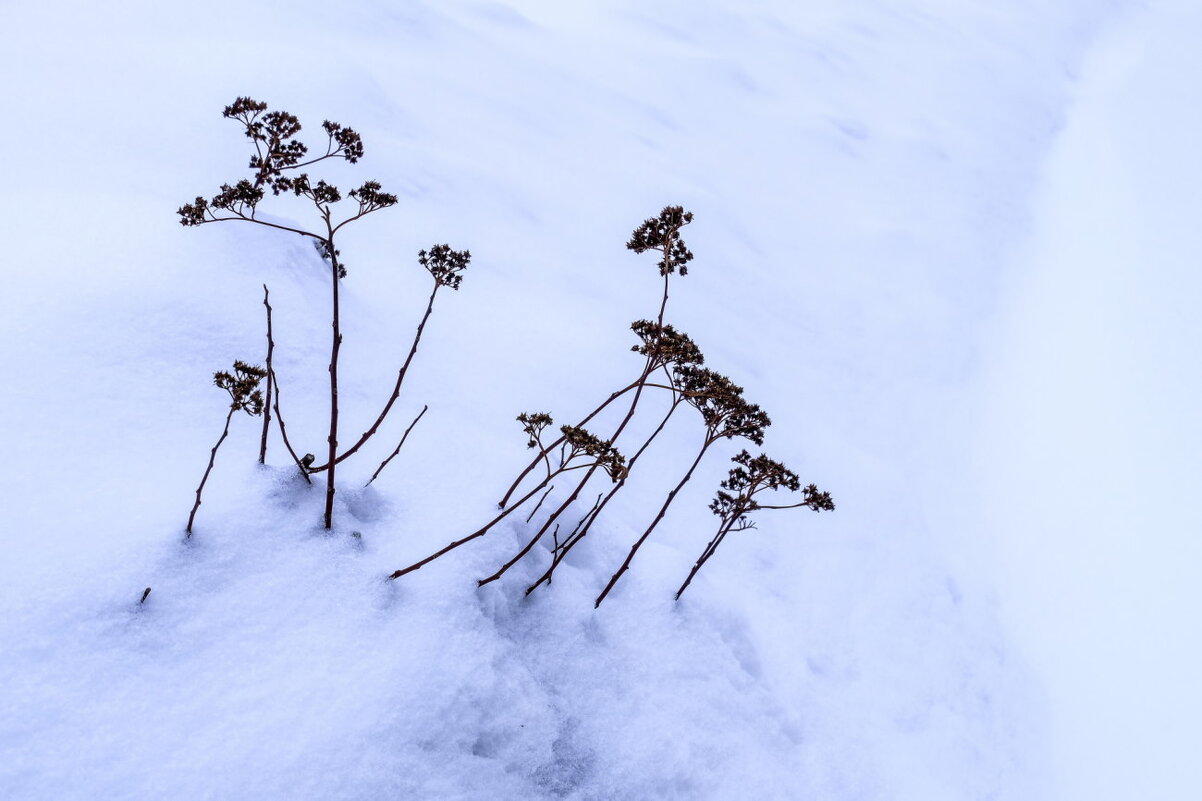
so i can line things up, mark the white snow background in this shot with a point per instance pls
(949, 246)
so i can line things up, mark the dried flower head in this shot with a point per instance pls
(444, 264)
(664, 345)
(721, 404)
(243, 387)
(534, 423)
(371, 198)
(603, 452)
(751, 476)
(662, 233)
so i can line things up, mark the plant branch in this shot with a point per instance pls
(212, 458)
(398, 447)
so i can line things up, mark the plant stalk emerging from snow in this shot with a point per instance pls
(245, 395)
(275, 166)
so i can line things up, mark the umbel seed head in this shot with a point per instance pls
(662, 233)
(533, 423)
(603, 452)
(721, 404)
(665, 345)
(444, 264)
(243, 387)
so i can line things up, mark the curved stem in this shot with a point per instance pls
(284, 429)
(244, 218)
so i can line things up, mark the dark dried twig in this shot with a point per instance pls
(539, 505)
(400, 445)
(268, 390)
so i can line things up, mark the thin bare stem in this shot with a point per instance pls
(270, 383)
(398, 447)
(284, 429)
(212, 458)
(538, 505)
(663, 510)
(335, 345)
(239, 216)
(480, 532)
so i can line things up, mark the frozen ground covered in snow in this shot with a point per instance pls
(863, 176)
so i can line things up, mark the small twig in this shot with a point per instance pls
(538, 505)
(384, 463)
(145, 594)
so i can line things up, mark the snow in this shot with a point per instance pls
(1090, 444)
(887, 240)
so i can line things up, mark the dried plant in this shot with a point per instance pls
(245, 396)
(277, 156)
(276, 166)
(737, 500)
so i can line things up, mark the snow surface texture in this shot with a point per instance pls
(861, 174)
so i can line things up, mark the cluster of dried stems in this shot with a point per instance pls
(672, 363)
(276, 165)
